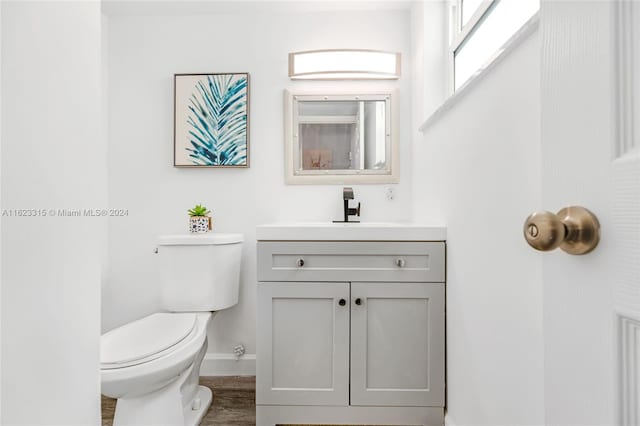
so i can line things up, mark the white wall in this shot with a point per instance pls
(429, 40)
(52, 157)
(476, 169)
(143, 54)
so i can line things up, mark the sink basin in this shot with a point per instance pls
(363, 231)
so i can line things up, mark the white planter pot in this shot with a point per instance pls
(200, 224)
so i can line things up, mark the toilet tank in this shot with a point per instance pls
(199, 272)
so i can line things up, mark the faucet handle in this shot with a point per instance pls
(353, 211)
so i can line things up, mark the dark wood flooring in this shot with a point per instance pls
(234, 402)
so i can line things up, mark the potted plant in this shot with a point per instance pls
(199, 221)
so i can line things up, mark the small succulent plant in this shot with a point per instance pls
(199, 210)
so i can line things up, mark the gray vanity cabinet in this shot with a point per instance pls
(347, 328)
(397, 342)
(303, 334)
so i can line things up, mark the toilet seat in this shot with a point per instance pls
(146, 339)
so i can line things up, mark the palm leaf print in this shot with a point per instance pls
(218, 121)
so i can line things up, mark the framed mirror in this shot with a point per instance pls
(340, 138)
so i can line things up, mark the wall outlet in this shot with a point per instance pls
(390, 192)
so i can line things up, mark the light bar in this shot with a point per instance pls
(344, 64)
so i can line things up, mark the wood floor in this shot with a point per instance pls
(234, 402)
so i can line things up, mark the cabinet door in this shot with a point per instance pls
(397, 344)
(302, 344)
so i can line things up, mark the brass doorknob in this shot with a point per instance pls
(574, 229)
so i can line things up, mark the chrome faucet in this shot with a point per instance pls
(347, 194)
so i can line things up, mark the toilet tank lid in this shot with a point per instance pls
(210, 238)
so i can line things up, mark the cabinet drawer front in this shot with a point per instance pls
(351, 261)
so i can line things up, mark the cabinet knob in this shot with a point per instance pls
(400, 262)
(574, 229)
(300, 263)
(358, 301)
(342, 302)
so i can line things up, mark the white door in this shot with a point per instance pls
(303, 342)
(397, 344)
(590, 158)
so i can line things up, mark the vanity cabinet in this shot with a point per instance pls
(397, 344)
(350, 332)
(304, 343)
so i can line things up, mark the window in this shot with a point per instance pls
(481, 28)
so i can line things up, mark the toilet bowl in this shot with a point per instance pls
(152, 365)
(156, 384)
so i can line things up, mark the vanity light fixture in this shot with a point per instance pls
(344, 64)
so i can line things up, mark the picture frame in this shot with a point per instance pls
(211, 120)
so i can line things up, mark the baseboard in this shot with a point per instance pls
(448, 421)
(215, 364)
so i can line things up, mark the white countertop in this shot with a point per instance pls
(364, 231)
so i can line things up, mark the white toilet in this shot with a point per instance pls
(152, 365)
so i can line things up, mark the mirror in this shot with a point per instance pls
(339, 138)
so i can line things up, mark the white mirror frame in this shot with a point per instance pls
(339, 177)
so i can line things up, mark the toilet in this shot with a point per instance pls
(152, 365)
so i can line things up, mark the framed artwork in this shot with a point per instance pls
(211, 120)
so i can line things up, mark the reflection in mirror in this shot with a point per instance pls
(339, 136)
(342, 135)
